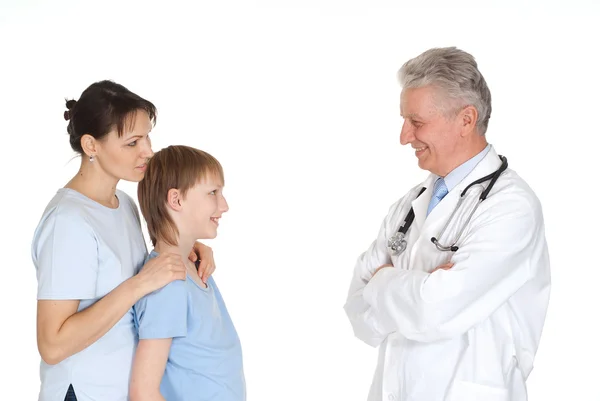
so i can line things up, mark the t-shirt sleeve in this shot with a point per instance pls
(163, 313)
(65, 253)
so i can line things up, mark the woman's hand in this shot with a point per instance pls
(160, 271)
(207, 263)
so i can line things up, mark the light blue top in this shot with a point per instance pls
(205, 360)
(82, 250)
(459, 173)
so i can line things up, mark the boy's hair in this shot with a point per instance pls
(179, 167)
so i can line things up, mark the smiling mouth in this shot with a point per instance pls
(215, 220)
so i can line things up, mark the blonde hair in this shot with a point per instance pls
(180, 167)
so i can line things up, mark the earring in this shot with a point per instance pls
(92, 159)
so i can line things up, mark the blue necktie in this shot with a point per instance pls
(439, 191)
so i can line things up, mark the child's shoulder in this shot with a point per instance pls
(172, 295)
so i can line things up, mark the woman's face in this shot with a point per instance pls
(125, 158)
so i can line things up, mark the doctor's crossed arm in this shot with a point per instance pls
(445, 266)
(382, 267)
(374, 260)
(492, 263)
(369, 263)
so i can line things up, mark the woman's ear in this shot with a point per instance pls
(88, 144)
(174, 199)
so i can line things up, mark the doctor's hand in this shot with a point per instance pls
(445, 266)
(381, 267)
(207, 263)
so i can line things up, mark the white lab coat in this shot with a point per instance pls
(465, 334)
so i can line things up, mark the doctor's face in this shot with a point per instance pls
(432, 134)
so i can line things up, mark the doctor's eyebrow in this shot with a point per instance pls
(413, 117)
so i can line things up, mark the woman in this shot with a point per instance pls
(88, 248)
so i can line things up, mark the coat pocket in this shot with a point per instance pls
(469, 391)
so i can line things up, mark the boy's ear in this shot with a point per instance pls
(174, 199)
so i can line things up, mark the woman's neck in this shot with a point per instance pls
(96, 184)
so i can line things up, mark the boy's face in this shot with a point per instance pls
(202, 208)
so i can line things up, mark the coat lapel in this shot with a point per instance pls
(420, 204)
(439, 215)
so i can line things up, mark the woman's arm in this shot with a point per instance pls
(148, 369)
(62, 331)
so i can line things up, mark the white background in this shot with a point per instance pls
(299, 101)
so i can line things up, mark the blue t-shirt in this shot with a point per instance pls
(205, 360)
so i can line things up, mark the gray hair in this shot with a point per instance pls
(454, 72)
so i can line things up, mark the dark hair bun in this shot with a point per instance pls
(70, 104)
(102, 107)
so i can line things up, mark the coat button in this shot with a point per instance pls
(391, 397)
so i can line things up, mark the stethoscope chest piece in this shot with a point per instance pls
(397, 243)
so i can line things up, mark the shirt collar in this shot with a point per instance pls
(459, 173)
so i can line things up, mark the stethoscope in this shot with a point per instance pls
(397, 242)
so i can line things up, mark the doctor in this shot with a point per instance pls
(454, 290)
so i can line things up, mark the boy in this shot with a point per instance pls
(188, 348)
